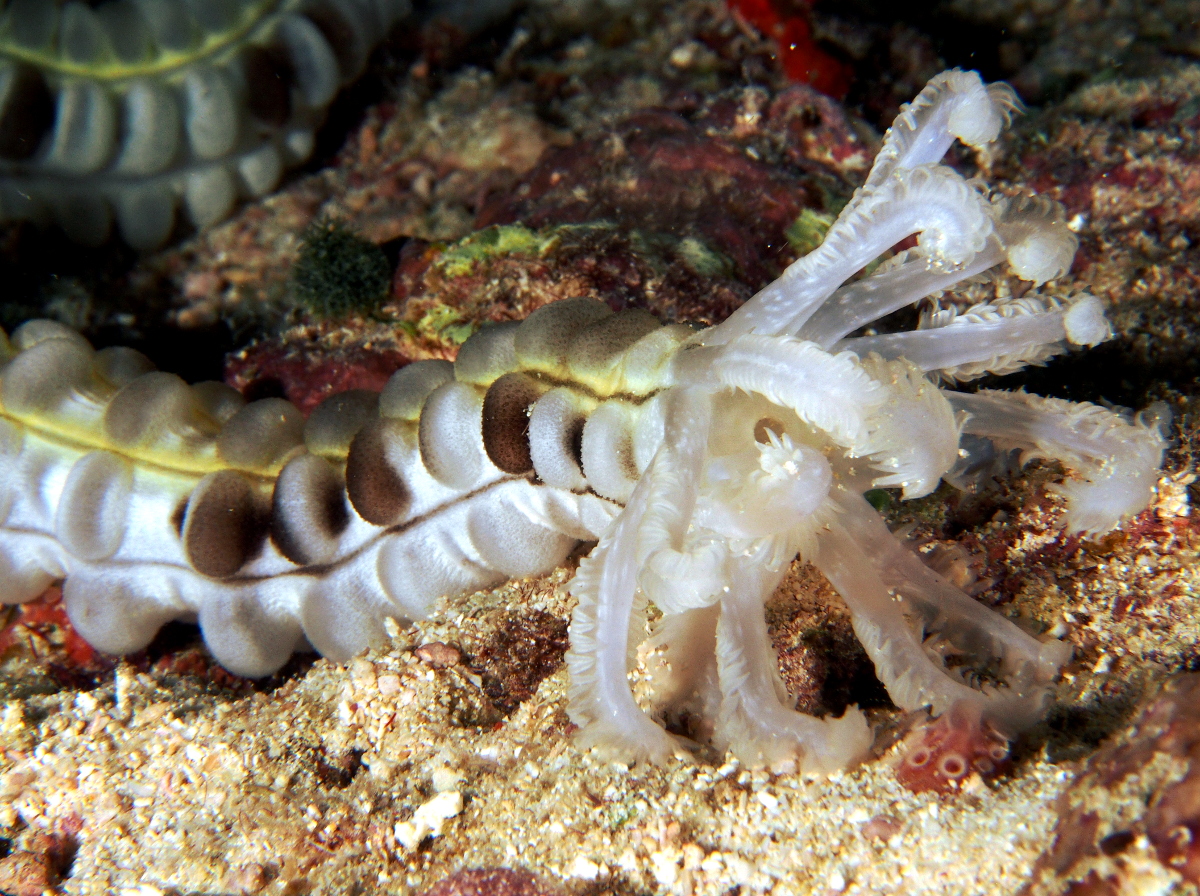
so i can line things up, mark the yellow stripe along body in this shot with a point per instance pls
(157, 500)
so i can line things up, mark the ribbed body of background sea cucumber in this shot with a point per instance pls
(158, 500)
(130, 111)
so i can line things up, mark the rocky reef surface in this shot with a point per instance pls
(666, 157)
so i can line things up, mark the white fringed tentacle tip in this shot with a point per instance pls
(982, 111)
(1125, 483)
(1037, 241)
(1085, 323)
(957, 225)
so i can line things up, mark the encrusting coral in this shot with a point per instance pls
(128, 108)
(702, 461)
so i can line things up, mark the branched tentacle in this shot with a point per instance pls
(1116, 457)
(952, 220)
(897, 603)
(756, 720)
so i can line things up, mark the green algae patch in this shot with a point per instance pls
(493, 242)
(440, 323)
(338, 272)
(807, 231)
(703, 259)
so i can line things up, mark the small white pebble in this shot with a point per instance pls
(1059, 630)
(769, 801)
(664, 867)
(584, 868)
(836, 882)
(362, 672)
(428, 820)
(739, 869)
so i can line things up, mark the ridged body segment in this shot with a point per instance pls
(187, 498)
(129, 109)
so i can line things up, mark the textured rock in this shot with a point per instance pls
(491, 882)
(1129, 822)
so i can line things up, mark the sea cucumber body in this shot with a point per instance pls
(702, 463)
(155, 500)
(127, 109)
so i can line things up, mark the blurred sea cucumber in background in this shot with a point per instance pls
(134, 110)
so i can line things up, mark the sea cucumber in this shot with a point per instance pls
(130, 108)
(701, 461)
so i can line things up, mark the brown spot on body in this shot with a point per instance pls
(374, 487)
(224, 526)
(506, 421)
(178, 515)
(573, 439)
